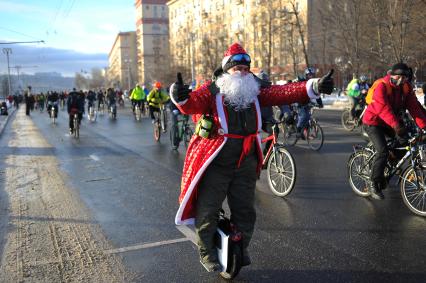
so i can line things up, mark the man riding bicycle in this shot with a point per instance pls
(137, 97)
(156, 98)
(75, 105)
(52, 101)
(383, 117)
(357, 90)
(100, 98)
(91, 97)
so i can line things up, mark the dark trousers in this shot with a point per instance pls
(71, 122)
(153, 109)
(377, 135)
(222, 181)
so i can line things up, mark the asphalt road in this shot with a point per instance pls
(321, 232)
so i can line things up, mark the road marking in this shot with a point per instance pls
(94, 157)
(144, 246)
(188, 233)
(189, 236)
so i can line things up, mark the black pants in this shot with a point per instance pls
(138, 103)
(377, 135)
(153, 109)
(71, 122)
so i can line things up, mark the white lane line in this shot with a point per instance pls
(94, 157)
(144, 246)
(188, 233)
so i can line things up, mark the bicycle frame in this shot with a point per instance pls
(272, 138)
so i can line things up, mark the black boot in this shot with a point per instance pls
(375, 191)
(246, 258)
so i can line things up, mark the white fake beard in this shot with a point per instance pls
(239, 91)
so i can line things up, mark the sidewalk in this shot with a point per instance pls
(5, 119)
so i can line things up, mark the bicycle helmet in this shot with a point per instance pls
(157, 85)
(363, 78)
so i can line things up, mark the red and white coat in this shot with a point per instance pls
(201, 151)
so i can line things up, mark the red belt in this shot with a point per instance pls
(247, 143)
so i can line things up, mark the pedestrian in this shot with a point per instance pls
(224, 157)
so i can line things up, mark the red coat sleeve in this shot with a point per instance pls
(284, 94)
(382, 106)
(416, 109)
(199, 102)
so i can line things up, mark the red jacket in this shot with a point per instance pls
(201, 151)
(385, 107)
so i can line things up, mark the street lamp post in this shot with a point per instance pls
(8, 51)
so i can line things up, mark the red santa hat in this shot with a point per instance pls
(230, 60)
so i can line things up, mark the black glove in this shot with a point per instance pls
(325, 84)
(179, 91)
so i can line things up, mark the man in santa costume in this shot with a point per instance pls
(227, 163)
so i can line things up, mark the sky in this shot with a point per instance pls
(78, 34)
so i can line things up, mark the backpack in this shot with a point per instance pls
(370, 93)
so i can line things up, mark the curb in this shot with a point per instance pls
(3, 124)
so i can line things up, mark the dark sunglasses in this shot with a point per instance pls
(240, 57)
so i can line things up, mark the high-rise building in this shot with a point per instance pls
(152, 33)
(123, 68)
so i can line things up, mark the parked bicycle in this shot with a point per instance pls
(312, 133)
(180, 132)
(412, 178)
(280, 165)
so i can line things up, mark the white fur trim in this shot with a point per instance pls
(180, 103)
(224, 125)
(259, 124)
(225, 60)
(310, 89)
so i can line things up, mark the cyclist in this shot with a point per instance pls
(41, 100)
(137, 96)
(111, 99)
(91, 97)
(357, 90)
(75, 105)
(62, 97)
(156, 98)
(52, 101)
(100, 98)
(303, 110)
(392, 95)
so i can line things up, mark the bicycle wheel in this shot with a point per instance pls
(163, 120)
(76, 128)
(289, 134)
(359, 170)
(187, 135)
(347, 123)
(413, 190)
(281, 171)
(174, 137)
(137, 113)
(315, 136)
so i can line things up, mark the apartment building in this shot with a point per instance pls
(200, 32)
(123, 69)
(152, 36)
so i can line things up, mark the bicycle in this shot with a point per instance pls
(280, 165)
(113, 111)
(137, 113)
(180, 132)
(76, 131)
(53, 114)
(92, 114)
(312, 133)
(157, 126)
(163, 118)
(412, 178)
(101, 108)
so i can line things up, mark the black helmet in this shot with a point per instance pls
(400, 69)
